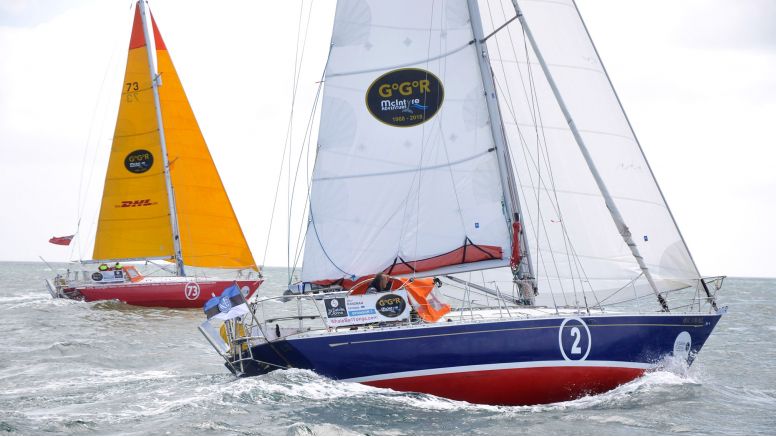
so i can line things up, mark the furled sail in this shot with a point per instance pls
(406, 178)
(135, 215)
(134, 219)
(210, 233)
(572, 236)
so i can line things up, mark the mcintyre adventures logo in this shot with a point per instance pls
(405, 97)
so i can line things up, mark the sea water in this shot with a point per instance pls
(71, 367)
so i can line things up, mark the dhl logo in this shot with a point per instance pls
(134, 203)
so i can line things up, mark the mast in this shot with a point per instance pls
(511, 201)
(155, 82)
(622, 227)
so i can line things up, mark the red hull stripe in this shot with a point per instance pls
(521, 385)
(181, 294)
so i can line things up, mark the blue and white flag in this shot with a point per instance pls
(229, 305)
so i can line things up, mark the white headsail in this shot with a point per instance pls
(406, 177)
(573, 237)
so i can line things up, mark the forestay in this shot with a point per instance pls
(573, 235)
(406, 177)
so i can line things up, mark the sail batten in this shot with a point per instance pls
(405, 171)
(403, 65)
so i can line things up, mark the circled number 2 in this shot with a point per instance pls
(581, 341)
(575, 349)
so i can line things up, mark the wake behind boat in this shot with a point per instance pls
(163, 199)
(483, 223)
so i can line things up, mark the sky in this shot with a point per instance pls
(697, 79)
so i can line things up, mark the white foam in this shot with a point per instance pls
(96, 378)
(318, 429)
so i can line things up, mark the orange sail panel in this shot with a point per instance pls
(425, 301)
(134, 219)
(210, 233)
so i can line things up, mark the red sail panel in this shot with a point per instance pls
(138, 38)
(468, 253)
(157, 36)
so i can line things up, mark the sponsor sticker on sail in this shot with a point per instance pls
(139, 161)
(405, 97)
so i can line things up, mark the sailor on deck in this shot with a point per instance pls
(380, 283)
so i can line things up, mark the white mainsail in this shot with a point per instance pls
(572, 236)
(406, 176)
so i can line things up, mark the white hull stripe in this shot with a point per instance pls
(502, 366)
(486, 331)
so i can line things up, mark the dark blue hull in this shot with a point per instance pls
(513, 362)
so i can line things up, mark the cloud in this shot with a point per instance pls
(29, 13)
(726, 24)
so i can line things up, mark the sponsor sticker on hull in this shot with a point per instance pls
(367, 308)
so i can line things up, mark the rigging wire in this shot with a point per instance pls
(83, 196)
(295, 83)
(541, 146)
(571, 256)
(289, 136)
(311, 220)
(306, 146)
(443, 73)
(574, 261)
(305, 143)
(423, 144)
(524, 144)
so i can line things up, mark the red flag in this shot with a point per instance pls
(62, 241)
